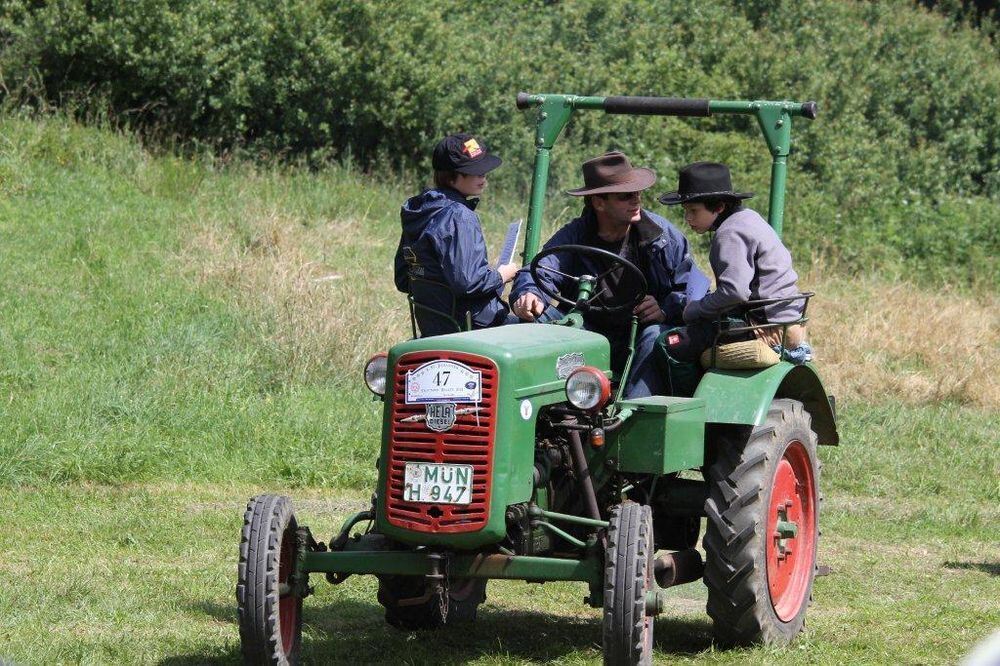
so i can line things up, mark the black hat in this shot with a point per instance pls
(703, 180)
(463, 153)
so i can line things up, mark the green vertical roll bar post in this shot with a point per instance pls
(774, 118)
(552, 118)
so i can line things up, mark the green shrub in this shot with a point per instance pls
(904, 139)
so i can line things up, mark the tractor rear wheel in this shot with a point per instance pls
(270, 614)
(411, 604)
(628, 576)
(763, 517)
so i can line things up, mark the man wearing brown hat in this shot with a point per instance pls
(614, 220)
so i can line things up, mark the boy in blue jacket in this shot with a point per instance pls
(441, 260)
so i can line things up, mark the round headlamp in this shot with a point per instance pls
(587, 388)
(375, 370)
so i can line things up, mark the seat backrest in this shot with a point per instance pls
(426, 319)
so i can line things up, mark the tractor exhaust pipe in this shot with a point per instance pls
(678, 568)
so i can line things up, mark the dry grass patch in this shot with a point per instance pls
(877, 340)
(323, 294)
(325, 300)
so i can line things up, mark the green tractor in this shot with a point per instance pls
(508, 453)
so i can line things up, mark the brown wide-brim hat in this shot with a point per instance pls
(612, 172)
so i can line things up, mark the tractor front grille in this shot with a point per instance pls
(468, 442)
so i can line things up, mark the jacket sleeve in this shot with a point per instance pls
(462, 249)
(687, 283)
(401, 272)
(732, 259)
(560, 261)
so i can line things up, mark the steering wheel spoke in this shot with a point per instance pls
(559, 273)
(606, 273)
(603, 291)
(633, 295)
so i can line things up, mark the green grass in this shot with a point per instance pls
(172, 346)
(126, 359)
(145, 573)
(118, 364)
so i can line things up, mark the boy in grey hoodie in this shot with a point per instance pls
(749, 261)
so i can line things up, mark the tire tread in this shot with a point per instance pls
(738, 600)
(266, 521)
(627, 559)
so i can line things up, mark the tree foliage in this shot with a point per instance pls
(902, 164)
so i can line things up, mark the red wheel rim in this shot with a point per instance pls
(791, 532)
(288, 608)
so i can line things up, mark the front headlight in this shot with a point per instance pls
(587, 388)
(375, 370)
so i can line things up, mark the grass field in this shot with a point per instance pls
(179, 335)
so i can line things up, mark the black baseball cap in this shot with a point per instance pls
(463, 153)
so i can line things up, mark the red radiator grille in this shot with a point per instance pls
(468, 442)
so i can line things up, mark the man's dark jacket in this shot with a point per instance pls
(663, 257)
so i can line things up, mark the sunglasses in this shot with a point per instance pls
(626, 196)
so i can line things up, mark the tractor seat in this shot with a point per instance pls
(757, 354)
(427, 319)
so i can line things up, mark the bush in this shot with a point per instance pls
(904, 137)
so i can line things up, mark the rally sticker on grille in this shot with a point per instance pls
(444, 381)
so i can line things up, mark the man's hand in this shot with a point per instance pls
(528, 307)
(648, 311)
(508, 271)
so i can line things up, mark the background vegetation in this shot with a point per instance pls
(178, 337)
(902, 169)
(195, 269)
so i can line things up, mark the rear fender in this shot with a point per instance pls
(743, 396)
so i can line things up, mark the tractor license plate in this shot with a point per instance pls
(438, 484)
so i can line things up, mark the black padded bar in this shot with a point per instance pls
(809, 110)
(657, 106)
(522, 100)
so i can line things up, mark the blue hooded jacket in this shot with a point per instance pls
(442, 243)
(665, 260)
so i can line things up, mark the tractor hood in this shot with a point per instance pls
(471, 400)
(532, 359)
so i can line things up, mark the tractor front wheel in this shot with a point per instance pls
(763, 517)
(628, 577)
(270, 613)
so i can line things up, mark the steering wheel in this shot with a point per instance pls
(586, 304)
